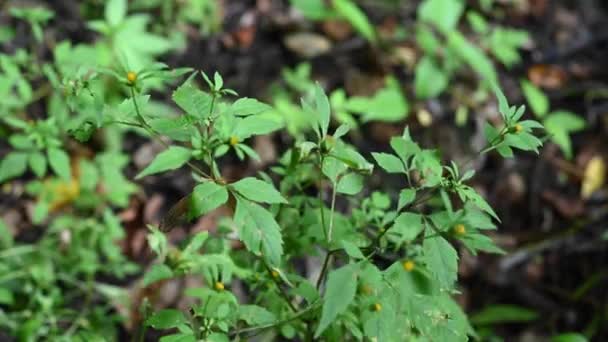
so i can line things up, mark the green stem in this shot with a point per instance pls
(297, 315)
(282, 291)
(85, 309)
(324, 268)
(331, 213)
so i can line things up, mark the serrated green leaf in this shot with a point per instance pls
(178, 129)
(352, 250)
(170, 159)
(472, 55)
(389, 162)
(537, 100)
(259, 230)
(442, 13)
(356, 17)
(388, 104)
(193, 101)
(441, 259)
(407, 226)
(479, 242)
(560, 124)
(37, 163)
(166, 319)
(322, 109)
(479, 201)
(341, 130)
(247, 106)
(339, 293)
(255, 125)
(12, 165)
(350, 184)
(115, 11)
(430, 80)
(332, 168)
(218, 81)
(205, 198)
(59, 162)
(255, 315)
(156, 273)
(405, 148)
(195, 243)
(258, 190)
(406, 196)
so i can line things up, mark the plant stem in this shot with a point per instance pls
(324, 268)
(85, 309)
(297, 315)
(327, 261)
(284, 294)
(331, 213)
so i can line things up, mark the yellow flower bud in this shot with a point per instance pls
(275, 273)
(219, 286)
(518, 128)
(377, 307)
(408, 265)
(459, 229)
(234, 140)
(366, 289)
(131, 77)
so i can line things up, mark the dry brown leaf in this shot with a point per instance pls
(547, 76)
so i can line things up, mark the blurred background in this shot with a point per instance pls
(385, 64)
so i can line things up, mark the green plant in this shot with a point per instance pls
(388, 104)
(560, 124)
(388, 258)
(353, 295)
(338, 9)
(60, 285)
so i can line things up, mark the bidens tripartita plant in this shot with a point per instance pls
(388, 268)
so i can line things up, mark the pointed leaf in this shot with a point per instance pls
(207, 197)
(259, 230)
(12, 165)
(322, 108)
(340, 291)
(193, 100)
(170, 159)
(248, 106)
(60, 162)
(258, 190)
(441, 259)
(389, 162)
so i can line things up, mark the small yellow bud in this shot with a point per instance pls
(234, 140)
(518, 128)
(459, 229)
(219, 286)
(131, 77)
(408, 265)
(377, 307)
(366, 289)
(275, 273)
